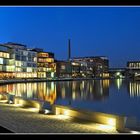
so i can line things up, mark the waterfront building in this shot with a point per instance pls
(25, 60)
(133, 68)
(46, 65)
(133, 65)
(7, 67)
(27, 63)
(76, 67)
(94, 66)
(63, 69)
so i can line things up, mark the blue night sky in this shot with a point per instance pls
(94, 31)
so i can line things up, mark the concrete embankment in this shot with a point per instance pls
(10, 81)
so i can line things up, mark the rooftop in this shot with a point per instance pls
(87, 57)
(15, 45)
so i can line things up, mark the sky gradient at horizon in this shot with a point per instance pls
(94, 31)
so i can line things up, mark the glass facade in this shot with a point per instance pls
(89, 66)
(18, 61)
(134, 65)
(46, 65)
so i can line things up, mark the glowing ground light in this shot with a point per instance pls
(66, 112)
(46, 111)
(10, 102)
(62, 117)
(111, 122)
(3, 101)
(33, 109)
(134, 132)
(17, 105)
(106, 128)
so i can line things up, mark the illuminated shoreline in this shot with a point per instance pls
(49, 80)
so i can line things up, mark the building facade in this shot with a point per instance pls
(25, 61)
(7, 67)
(46, 65)
(133, 69)
(92, 66)
(63, 69)
(76, 68)
(17, 61)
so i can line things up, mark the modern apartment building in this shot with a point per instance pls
(17, 61)
(25, 60)
(46, 65)
(7, 67)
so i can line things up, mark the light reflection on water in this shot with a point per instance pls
(115, 96)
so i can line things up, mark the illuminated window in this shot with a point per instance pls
(43, 55)
(10, 62)
(29, 70)
(10, 68)
(4, 55)
(18, 69)
(45, 60)
(49, 69)
(1, 60)
(63, 67)
(1, 68)
(35, 59)
(50, 60)
(18, 63)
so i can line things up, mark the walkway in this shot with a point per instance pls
(21, 120)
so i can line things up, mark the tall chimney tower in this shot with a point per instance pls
(69, 50)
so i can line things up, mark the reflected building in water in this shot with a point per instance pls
(83, 90)
(134, 88)
(101, 89)
(35, 91)
(116, 83)
(62, 91)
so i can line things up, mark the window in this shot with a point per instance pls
(43, 55)
(18, 63)
(1, 68)
(35, 59)
(25, 53)
(63, 67)
(10, 68)
(4, 55)
(18, 69)
(2, 48)
(23, 58)
(17, 57)
(1, 60)
(29, 69)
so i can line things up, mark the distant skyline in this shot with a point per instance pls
(94, 31)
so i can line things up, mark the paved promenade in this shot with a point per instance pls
(21, 120)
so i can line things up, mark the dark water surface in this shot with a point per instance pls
(116, 96)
